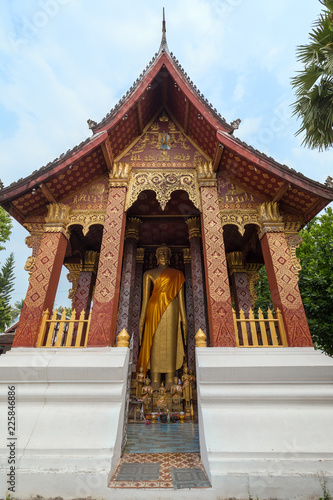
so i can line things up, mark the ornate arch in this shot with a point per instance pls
(240, 219)
(163, 183)
(85, 219)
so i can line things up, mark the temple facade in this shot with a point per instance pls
(163, 167)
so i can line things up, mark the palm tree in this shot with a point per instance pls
(314, 84)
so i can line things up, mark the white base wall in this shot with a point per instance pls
(265, 418)
(266, 421)
(69, 419)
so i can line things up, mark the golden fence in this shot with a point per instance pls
(59, 331)
(260, 332)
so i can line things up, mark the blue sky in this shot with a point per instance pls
(64, 61)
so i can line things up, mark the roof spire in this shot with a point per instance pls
(164, 45)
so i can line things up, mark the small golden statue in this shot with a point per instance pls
(161, 402)
(140, 378)
(176, 393)
(187, 389)
(147, 394)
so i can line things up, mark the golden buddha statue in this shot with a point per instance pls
(161, 402)
(186, 386)
(176, 389)
(140, 377)
(147, 390)
(162, 349)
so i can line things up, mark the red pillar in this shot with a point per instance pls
(221, 329)
(128, 276)
(239, 283)
(106, 297)
(86, 282)
(45, 276)
(283, 282)
(190, 347)
(284, 289)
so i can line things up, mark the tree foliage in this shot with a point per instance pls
(5, 227)
(16, 309)
(316, 278)
(6, 288)
(314, 84)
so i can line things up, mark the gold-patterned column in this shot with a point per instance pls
(86, 278)
(105, 305)
(45, 275)
(128, 275)
(281, 276)
(221, 329)
(239, 282)
(189, 309)
(137, 296)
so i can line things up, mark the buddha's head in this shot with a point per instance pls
(175, 381)
(163, 255)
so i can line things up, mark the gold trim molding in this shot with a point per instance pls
(132, 228)
(73, 277)
(119, 175)
(239, 219)
(206, 175)
(57, 219)
(270, 219)
(91, 260)
(294, 240)
(187, 255)
(163, 183)
(86, 219)
(140, 255)
(33, 241)
(193, 225)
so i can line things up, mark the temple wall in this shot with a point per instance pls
(69, 419)
(266, 421)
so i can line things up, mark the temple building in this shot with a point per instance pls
(164, 169)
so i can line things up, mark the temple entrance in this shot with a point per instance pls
(162, 423)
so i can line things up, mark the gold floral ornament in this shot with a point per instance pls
(57, 219)
(123, 339)
(119, 175)
(193, 225)
(206, 174)
(73, 277)
(163, 183)
(200, 339)
(86, 219)
(270, 219)
(33, 241)
(187, 255)
(293, 240)
(239, 218)
(133, 228)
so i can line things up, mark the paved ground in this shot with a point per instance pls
(161, 456)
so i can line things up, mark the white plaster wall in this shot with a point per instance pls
(266, 421)
(69, 416)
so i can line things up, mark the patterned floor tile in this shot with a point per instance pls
(189, 478)
(166, 463)
(139, 472)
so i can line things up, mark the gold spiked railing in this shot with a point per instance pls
(260, 332)
(59, 331)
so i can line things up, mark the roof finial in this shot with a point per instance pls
(163, 41)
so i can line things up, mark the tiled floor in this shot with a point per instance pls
(161, 456)
(163, 438)
(176, 470)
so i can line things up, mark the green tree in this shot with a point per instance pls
(316, 278)
(5, 227)
(6, 288)
(16, 309)
(314, 84)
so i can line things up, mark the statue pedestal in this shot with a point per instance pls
(265, 421)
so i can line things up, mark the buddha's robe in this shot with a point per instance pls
(162, 347)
